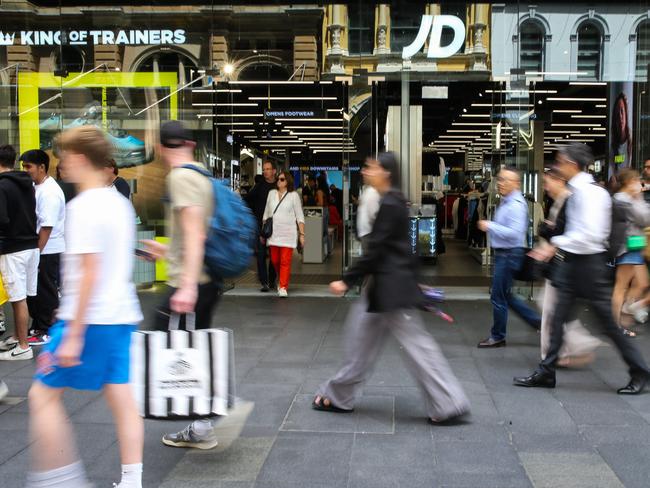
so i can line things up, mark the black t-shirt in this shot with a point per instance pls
(308, 197)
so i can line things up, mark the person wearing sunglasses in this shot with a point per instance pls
(285, 208)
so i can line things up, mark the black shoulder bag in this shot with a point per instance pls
(267, 226)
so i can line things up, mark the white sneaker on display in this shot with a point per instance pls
(282, 293)
(8, 344)
(17, 354)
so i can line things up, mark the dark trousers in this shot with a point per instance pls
(585, 276)
(44, 304)
(265, 270)
(208, 298)
(506, 263)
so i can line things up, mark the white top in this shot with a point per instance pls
(50, 212)
(588, 218)
(285, 220)
(101, 222)
(369, 202)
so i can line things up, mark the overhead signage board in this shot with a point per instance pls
(431, 27)
(293, 113)
(96, 37)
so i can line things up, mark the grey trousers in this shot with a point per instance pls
(365, 336)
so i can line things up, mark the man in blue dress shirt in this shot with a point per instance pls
(507, 233)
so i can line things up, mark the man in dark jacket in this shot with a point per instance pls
(256, 200)
(19, 254)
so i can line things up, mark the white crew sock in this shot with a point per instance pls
(203, 427)
(70, 476)
(131, 476)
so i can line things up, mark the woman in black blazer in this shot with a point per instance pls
(389, 271)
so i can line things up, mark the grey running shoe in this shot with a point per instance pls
(188, 438)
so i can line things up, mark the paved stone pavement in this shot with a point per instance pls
(579, 435)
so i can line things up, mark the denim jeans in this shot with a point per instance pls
(506, 263)
(265, 269)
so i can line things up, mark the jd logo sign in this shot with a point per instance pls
(435, 24)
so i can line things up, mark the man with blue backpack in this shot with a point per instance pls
(211, 237)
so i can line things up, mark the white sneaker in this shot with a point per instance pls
(282, 293)
(8, 344)
(3, 327)
(17, 354)
(4, 390)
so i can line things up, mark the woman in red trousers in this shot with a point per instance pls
(285, 207)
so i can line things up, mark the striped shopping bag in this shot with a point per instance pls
(183, 374)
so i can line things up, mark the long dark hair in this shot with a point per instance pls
(617, 134)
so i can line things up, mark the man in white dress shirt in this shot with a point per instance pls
(581, 270)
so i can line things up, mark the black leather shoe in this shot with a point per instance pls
(264, 289)
(634, 387)
(489, 342)
(535, 380)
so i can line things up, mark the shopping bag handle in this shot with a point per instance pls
(175, 320)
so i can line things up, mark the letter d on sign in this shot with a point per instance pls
(440, 21)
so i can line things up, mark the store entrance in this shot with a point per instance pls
(301, 127)
(457, 137)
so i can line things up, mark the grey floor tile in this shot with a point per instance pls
(240, 463)
(629, 460)
(303, 458)
(570, 470)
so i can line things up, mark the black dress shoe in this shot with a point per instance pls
(264, 289)
(535, 380)
(634, 387)
(489, 342)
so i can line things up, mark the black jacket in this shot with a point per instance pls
(17, 213)
(256, 198)
(388, 261)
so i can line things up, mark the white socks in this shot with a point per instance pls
(70, 476)
(131, 476)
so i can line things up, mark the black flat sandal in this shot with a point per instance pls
(319, 404)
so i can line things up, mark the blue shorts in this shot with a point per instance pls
(631, 257)
(105, 358)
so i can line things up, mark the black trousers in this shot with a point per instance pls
(44, 304)
(586, 276)
(265, 269)
(208, 298)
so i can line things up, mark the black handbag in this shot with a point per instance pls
(531, 269)
(267, 226)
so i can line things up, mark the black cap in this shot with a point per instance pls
(174, 134)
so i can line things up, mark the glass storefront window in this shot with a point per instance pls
(405, 21)
(642, 51)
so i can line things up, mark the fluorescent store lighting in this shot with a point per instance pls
(601, 106)
(335, 110)
(572, 125)
(321, 138)
(502, 104)
(563, 99)
(598, 128)
(567, 111)
(305, 119)
(473, 124)
(561, 132)
(242, 130)
(278, 82)
(209, 90)
(469, 131)
(588, 83)
(521, 91)
(476, 115)
(228, 124)
(316, 127)
(555, 73)
(312, 133)
(291, 98)
(445, 136)
(219, 104)
(234, 116)
(589, 116)
(286, 145)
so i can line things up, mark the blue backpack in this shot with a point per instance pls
(233, 231)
